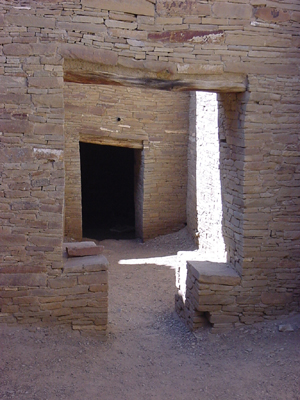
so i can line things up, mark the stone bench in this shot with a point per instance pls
(75, 294)
(211, 291)
(86, 307)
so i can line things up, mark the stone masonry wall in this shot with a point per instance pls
(151, 120)
(191, 200)
(205, 213)
(246, 50)
(215, 180)
(231, 141)
(209, 201)
(78, 296)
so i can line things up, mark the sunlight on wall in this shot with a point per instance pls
(208, 184)
(211, 246)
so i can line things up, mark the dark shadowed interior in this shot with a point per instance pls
(107, 187)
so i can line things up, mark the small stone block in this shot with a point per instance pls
(94, 278)
(98, 288)
(223, 319)
(286, 328)
(82, 249)
(213, 273)
(275, 298)
(62, 282)
(89, 263)
(215, 299)
(7, 318)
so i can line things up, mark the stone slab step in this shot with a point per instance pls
(88, 264)
(213, 273)
(82, 249)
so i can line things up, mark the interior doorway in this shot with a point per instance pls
(107, 191)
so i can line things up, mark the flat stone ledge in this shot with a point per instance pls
(81, 249)
(211, 291)
(213, 273)
(88, 264)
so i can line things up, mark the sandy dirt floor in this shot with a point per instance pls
(149, 353)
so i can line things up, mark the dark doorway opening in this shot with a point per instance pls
(107, 191)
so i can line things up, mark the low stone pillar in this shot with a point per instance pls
(87, 306)
(211, 292)
(76, 294)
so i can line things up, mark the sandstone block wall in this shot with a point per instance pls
(191, 199)
(152, 121)
(204, 177)
(211, 296)
(232, 162)
(78, 296)
(247, 51)
(214, 295)
(215, 179)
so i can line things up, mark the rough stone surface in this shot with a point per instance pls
(188, 36)
(81, 249)
(272, 14)
(256, 45)
(151, 120)
(101, 56)
(276, 298)
(142, 7)
(213, 273)
(88, 263)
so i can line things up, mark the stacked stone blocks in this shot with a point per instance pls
(246, 51)
(78, 296)
(215, 294)
(150, 121)
(210, 295)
